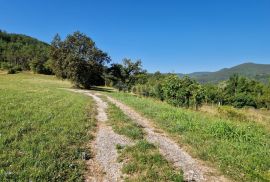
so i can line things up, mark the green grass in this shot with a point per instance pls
(43, 129)
(122, 124)
(144, 163)
(239, 149)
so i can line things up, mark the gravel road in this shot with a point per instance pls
(104, 166)
(194, 170)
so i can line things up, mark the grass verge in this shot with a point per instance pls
(122, 124)
(239, 149)
(43, 129)
(145, 163)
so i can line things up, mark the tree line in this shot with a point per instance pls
(185, 92)
(78, 59)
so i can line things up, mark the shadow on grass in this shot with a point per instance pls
(102, 89)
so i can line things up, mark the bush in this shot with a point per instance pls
(5, 65)
(242, 99)
(40, 65)
(12, 71)
(121, 86)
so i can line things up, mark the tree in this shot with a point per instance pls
(266, 96)
(183, 92)
(77, 58)
(197, 94)
(125, 75)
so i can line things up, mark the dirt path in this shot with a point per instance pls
(194, 170)
(104, 166)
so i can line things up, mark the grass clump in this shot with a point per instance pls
(123, 125)
(239, 149)
(145, 163)
(43, 129)
(232, 113)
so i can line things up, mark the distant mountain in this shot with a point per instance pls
(259, 72)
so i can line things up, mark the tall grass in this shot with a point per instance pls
(239, 149)
(43, 129)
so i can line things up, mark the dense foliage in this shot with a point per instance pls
(124, 76)
(20, 52)
(78, 59)
(177, 91)
(239, 92)
(186, 92)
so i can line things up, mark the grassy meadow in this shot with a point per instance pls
(43, 129)
(239, 148)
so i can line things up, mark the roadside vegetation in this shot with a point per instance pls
(123, 125)
(239, 149)
(43, 129)
(259, 116)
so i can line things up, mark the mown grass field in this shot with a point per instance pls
(240, 149)
(43, 129)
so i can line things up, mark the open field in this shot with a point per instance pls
(43, 129)
(240, 149)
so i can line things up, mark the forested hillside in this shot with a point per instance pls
(260, 72)
(20, 52)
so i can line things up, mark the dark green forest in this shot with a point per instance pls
(78, 59)
(20, 52)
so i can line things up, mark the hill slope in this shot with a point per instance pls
(19, 50)
(259, 72)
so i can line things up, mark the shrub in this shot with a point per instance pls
(243, 99)
(12, 71)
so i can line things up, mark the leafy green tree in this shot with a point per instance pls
(124, 76)
(198, 95)
(266, 96)
(77, 58)
(183, 92)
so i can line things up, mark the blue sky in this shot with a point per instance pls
(170, 36)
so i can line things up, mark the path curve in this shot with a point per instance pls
(193, 169)
(104, 146)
